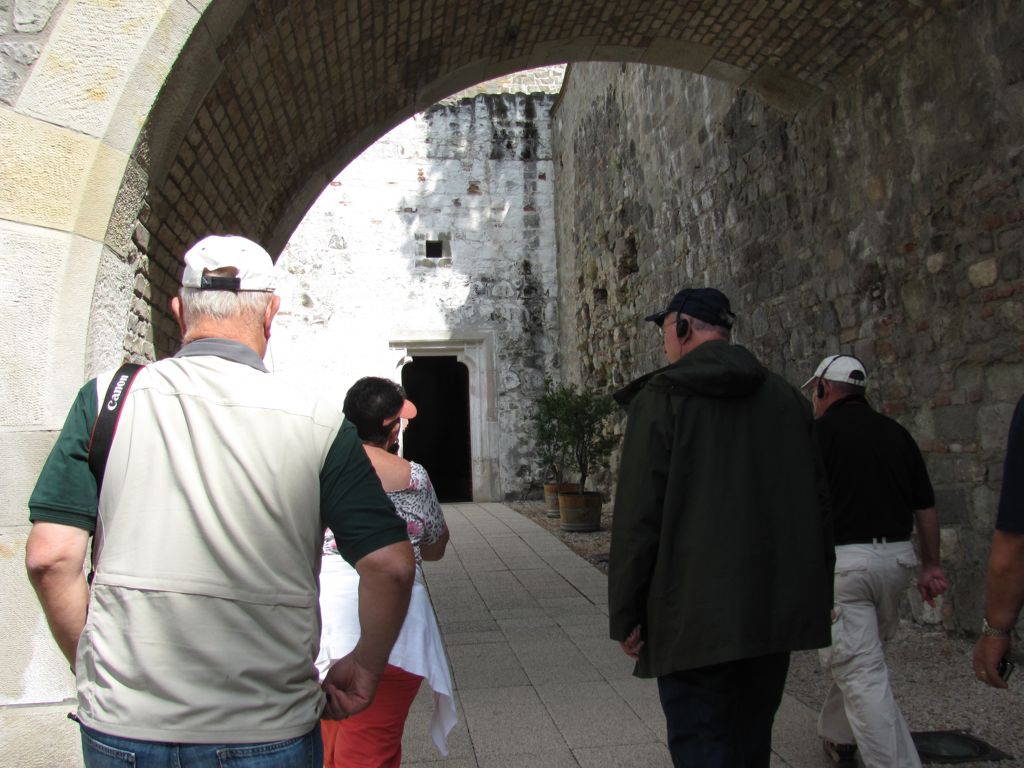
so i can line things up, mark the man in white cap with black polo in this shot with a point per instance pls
(880, 488)
(194, 643)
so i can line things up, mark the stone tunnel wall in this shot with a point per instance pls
(886, 221)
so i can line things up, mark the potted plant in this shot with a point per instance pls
(585, 426)
(552, 442)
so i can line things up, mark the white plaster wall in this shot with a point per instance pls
(357, 281)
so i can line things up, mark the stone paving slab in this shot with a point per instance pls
(632, 756)
(509, 721)
(485, 665)
(539, 683)
(593, 714)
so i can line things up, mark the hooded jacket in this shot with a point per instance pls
(721, 538)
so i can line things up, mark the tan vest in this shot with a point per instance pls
(203, 623)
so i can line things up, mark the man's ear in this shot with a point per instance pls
(268, 315)
(179, 314)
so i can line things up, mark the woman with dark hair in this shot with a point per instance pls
(373, 738)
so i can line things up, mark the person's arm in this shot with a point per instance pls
(55, 560)
(435, 549)
(372, 538)
(62, 510)
(1005, 582)
(931, 579)
(385, 581)
(434, 539)
(1003, 601)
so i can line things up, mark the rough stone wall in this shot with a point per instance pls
(475, 176)
(269, 98)
(151, 331)
(539, 80)
(23, 26)
(886, 221)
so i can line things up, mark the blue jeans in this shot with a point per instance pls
(721, 716)
(103, 751)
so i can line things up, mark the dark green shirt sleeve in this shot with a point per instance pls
(353, 503)
(65, 492)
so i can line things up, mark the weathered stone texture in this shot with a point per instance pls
(540, 80)
(35, 736)
(9, 81)
(20, 52)
(885, 222)
(32, 15)
(296, 90)
(475, 176)
(22, 24)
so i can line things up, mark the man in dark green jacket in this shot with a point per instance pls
(721, 556)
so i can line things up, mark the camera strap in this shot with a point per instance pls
(105, 426)
(103, 430)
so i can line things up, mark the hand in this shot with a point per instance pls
(988, 652)
(631, 645)
(349, 688)
(931, 582)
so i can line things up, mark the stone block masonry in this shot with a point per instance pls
(440, 235)
(21, 39)
(886, 221)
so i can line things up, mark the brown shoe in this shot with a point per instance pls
(841, 755)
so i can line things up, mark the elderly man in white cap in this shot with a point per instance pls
(195, 640)
(880, 488)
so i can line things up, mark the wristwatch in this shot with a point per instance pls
(989, 631)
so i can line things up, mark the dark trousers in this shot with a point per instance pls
(721, 716)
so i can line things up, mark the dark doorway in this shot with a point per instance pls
(438, 438)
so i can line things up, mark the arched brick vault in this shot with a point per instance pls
(270, 99)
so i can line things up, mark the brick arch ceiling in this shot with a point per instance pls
(271, 98)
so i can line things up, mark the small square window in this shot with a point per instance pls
(435, 249)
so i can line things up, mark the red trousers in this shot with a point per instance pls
(373, 738)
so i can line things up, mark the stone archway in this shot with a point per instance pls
(268, 100)
(132, 128)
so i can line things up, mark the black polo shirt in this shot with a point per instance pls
(1011, 499)
(875, 471)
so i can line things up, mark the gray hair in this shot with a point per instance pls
(199, 303)
(703, 325)
(844, 389)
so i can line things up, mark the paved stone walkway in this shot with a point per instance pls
(538, 681)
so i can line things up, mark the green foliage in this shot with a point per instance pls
(572, 427)
(552, 444)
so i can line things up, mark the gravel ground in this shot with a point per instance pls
(930, 669)
(590, 546)
(936, 689)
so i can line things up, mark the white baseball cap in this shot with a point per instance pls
(843, 368)
(255, 268)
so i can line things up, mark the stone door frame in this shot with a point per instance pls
(476, 352)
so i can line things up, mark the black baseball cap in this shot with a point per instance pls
(707, 304)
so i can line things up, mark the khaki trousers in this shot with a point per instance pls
(870, 580)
